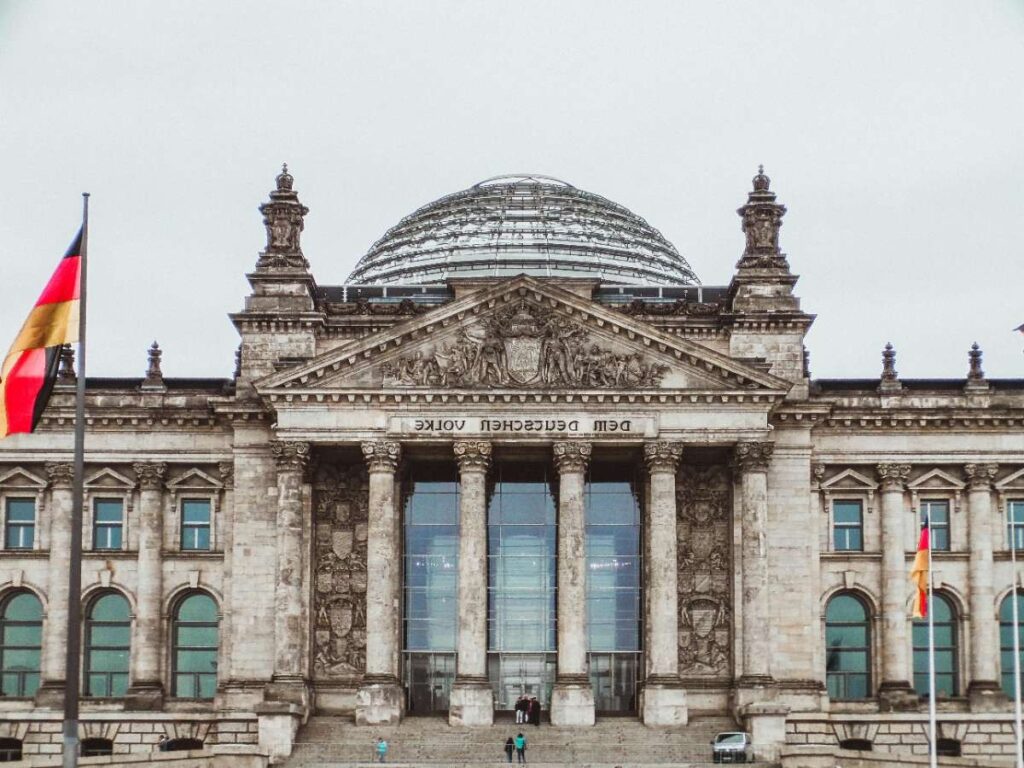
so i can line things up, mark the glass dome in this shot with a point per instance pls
(529, 224)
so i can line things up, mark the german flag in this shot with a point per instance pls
(919, 573)
(30, 367)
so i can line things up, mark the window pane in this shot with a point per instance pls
(108, 510)
(845, 608)
(197, 636)
(846, 512)
(21, 510)
(196, 661)
(24, 607)
(184, 686)
(198, 608)
(195, 510)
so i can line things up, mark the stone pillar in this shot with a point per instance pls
(54, 656)
(380, 700)
(751, 461)
(572, 698)
(289, 681)
(894, 691)
(663, 699)
(472, 700)
(983, 688)
(146, 689)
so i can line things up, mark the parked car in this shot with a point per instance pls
(731, 747)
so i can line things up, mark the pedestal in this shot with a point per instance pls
(663, 704)
(897, 696)
(986, 696)
(278, 724)
(50, 695)
(144, 697)
(766, 724)
(471, 702)
(572, 703)
(379, 703)
(288, 689)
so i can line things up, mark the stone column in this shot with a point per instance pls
(983, 688)
(54, 660)
(894, 691)
(289, 681)
(663, 699)
(380, 700)
(572, 698)
(472, 700)
(751, 461)
(146, 689)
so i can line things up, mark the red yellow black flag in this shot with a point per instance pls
(30, 367)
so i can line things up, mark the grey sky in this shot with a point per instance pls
(893, 131)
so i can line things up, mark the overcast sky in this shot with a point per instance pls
(894, 132)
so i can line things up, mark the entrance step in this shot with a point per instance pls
(336, 742)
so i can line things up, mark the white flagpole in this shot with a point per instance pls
(1012, 528)
(932, 751)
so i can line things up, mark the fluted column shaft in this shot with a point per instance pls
(146, 650)
(751, 460)
(291, 459)
(54, 661)
(983, 672)
(662, 589)
(895, 584)
(473, 458)
(382, 563)
(571, 460)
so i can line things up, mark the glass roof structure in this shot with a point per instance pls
(529, 224)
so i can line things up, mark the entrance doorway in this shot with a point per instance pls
(613, 677)
(429, 677)
(521, 674)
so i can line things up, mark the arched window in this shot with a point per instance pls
(97, 747)
(21, 643)
(946, 649)
(195, 647)
(847, 648)
(108, 631)
(10, 750)
(1006, 641)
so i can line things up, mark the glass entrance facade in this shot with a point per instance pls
(614, 566)
(522, 543)
(431, 568)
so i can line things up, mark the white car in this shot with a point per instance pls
(731, 747)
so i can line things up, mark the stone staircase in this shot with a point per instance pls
(335, 742)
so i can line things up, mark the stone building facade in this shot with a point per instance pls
(522, 451)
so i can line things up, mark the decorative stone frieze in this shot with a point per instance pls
(662, 455)
(704, 530)
(981, 476)
(290, 454)
(752, 456)
(472, 455)
(893, 477)
(571, 456)
(382, 455)
(340, 497)
(150, 474)
(60, 474)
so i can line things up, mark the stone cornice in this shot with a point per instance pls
(662, 455)
(893, 477)
(290, 455)
(150, 475)
(571, 455)
(472, 455)
(60, 474)
(755, 400)
(752, 456)
(908, 419)
(980, 477)
(382, 455)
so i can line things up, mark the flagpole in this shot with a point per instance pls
(72, 675)
(932, 750)
(1012, 527)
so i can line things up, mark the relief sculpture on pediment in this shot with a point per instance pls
(341, 495)
(523, 345)
(704, 526)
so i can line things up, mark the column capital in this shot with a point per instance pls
(893, 476)
(290, 454)
(472, 455)
(980, 476)
(571, 456)
(662, 455)
(752, 456)
(150, 474)
(61, 474)
(382, 455)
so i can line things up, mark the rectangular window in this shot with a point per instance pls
(937, 513)
(108, 523)
(195, 524)
(848, 526)
(1015, 525)
(20, 524)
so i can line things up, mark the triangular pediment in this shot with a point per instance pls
(108, 478)
(195, 479)
(936, 480)
(21, 478)
(849, 480)
(522, 335)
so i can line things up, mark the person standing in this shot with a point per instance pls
(382, 750)
(521, 704)
(534, 711)
(510, 747)
(520, 744)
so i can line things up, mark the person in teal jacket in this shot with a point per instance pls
(520, 742)
(382, 750)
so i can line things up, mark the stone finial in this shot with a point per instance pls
(889, 372)
(472, 455)
(150, 475)
(154, 375)
(382, 455)
(290, 454)
(60, 474)
(975, 373)
(238, 362)
(571, 456)
(762, 218)
(893, 477)
(981, 476)
(752, 456)
(662, 455)
(284, 218)
(66, 372)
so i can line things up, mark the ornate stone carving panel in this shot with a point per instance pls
(704, 528)
(341, 493)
